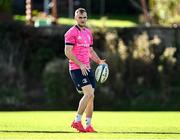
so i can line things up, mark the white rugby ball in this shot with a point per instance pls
(101, 73)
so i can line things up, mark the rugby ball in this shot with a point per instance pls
(101, 73)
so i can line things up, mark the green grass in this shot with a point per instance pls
(100, 22)
(110, 126)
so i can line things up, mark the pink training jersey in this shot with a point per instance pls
(81, 40)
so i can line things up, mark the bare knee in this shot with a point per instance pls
(88, 91)
(90, 95)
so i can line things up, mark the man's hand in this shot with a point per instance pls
(84, 69)
(102, 61)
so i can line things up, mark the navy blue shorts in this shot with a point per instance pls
(80, 80)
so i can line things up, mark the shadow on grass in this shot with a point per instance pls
(23, 131)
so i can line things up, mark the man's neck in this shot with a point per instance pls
(81, 27)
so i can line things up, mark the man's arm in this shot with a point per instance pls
(95, 57)
(70, 55)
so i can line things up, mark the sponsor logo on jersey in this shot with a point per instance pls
(79, 37)
(83, 45)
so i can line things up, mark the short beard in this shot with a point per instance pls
(81, 25)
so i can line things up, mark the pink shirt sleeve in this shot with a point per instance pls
(91, 37)
(91, 41)
(70, 38)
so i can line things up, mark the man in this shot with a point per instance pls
(79, 51)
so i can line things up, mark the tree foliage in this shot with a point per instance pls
(5, 5)
(144, 70)
(165, 12)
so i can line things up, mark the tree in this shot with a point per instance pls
(165, 12)
(145, 11)
(29, 11)
(5, 10)
(54, 11)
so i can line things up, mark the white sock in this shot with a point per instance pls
(88, 121)
(78, 118)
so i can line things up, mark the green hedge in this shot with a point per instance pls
(144, 69)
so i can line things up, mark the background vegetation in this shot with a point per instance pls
(144, 68)
(143, 57)
(165, 12)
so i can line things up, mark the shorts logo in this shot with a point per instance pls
(84, 81)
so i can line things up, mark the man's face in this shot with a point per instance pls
(81, 19)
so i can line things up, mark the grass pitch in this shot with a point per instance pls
(110, 126)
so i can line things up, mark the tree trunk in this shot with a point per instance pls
(145, 11)
(29, 12)
(54, 11)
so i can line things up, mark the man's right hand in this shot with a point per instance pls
(84, 69)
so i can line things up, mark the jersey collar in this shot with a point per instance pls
(79, 28)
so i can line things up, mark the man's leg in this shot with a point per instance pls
(90, 107)
(88, 95)
(89, 113)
